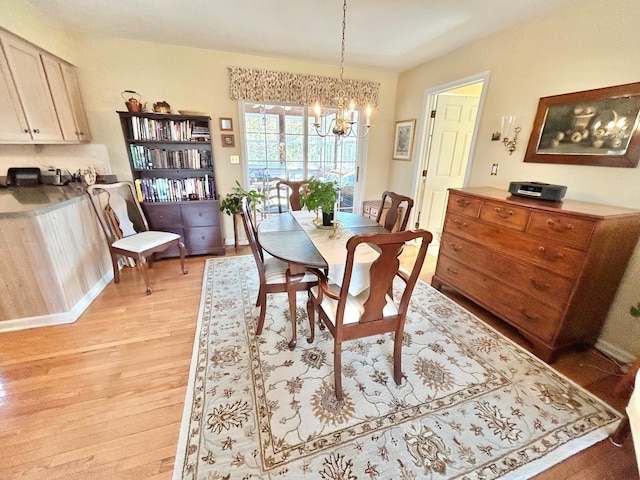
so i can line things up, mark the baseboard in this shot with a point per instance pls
(228, 242)
(617, 353)
(59, 318)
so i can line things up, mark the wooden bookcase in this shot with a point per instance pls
(172, 163)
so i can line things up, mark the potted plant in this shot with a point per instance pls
(232, 204)
(321, 195)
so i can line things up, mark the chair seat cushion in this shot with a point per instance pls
(145, 240)
(275, 271)
(354, 308)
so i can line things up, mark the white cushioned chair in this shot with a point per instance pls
(273, 272)
(127, 230)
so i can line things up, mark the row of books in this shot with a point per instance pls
(143, 128)
(175, 190)
(145, 158)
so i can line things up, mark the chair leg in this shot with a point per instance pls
(397, 358)
(311, 315)
(141, 261)
(182, 250)
(337, 369)
(262, 303)
(116, 268)
(259, 295)
(621, 433)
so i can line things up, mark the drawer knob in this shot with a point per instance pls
(451, 270)
(502, 213)
(463, 203)
(200, 214)
(550, 256)
(460, 224)
(559, 228)
(454, 247)
(538, 285)
(529, 316)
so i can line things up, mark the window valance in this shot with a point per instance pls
(301, 89)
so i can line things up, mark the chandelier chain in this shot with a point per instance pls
(344, 29)
(343, 123)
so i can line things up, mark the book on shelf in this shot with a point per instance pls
(163, 190)
(149, 158)
(150, 129)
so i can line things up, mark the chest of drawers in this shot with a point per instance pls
(550, 269)
(197, 222)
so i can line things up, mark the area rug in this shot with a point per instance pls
(473, 405)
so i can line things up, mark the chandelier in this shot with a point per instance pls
(343, 124)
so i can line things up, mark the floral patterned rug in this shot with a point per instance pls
(473, 404)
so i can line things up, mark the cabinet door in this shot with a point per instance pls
(60, 98)
(70, 76)
(13, 123)
(31, 82)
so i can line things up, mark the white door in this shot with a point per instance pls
(447, 158)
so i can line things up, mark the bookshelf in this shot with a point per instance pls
(172, 164)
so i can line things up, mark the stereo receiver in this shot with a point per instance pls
(543, 191)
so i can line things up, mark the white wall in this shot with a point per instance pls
(580, 45)
(186, 78)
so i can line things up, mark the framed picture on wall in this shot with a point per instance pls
(226, 124)
(594, 127)
(403, 140)
(228, 141)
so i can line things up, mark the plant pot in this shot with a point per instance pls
(327, 219)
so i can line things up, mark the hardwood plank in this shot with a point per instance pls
(102, 398)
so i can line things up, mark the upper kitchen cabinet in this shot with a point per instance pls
(39, 99)
(13, 123)
(66, 99)
(69, 74)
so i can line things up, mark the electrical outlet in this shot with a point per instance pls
(494, 169)
(235, 159)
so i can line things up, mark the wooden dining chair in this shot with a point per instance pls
(273, 272)
(127, 231)
(374, 311)
(400, 208)
(292, 191)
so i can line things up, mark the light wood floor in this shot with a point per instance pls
(102, 398)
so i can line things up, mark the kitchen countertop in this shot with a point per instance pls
(32, 201)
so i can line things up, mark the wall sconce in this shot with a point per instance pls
(508, 123)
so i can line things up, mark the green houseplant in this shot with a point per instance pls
(232, 203)
(321, 195)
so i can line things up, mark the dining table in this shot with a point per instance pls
(300, 239)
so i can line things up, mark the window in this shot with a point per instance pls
(282, 143)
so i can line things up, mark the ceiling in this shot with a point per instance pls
(391, 35)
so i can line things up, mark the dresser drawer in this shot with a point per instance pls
(552, 290)
(162, 217)
(521, 311)
(542, 252)
(202, 239)
(569, 230)
(200, 214)
(464, 205)
(505, 215)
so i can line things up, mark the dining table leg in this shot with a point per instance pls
(294, 274)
